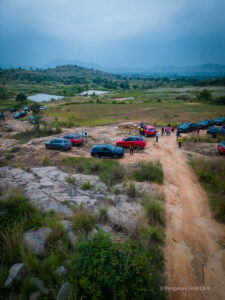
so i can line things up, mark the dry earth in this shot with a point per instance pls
(195, 242)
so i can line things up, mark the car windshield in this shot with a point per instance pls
(111, 147)
(222, 143)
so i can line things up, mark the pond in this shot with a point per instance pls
(44, 97)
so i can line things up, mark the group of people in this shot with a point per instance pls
(168, 129)
(84, 133)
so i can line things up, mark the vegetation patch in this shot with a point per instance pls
(150, 171)
(211, 174)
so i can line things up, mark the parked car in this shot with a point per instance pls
(13, 109)
(188, 127)
(76, 139)
(106, 150)
(204, 124)
(221, 147)
(214, 131)
(59, 144)
(219, 121)
(139, 142)
(43, 107)
(20, 114)
(26, 108)
(149, 131)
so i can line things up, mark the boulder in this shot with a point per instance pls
(16, 273)
(64, 291)
(36, 296)
(61, 271)
(35, 241)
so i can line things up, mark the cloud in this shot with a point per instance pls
(98, 23)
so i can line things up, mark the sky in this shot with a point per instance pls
(113, 33)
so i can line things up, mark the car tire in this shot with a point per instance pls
(63, 149)
(138, 147)
(96, 156)
(115, 156)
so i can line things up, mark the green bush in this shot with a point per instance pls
(102, 214)
(152, 234)
(86, 185)
(131, 190)
(84, 221)
(211, 174)
(17, 207)
(150, 171)
(154, 210)
(71, 179)
(106, 270)
(46, 161)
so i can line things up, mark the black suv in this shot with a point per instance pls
(106, 150)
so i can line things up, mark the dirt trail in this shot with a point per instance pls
(193, 252)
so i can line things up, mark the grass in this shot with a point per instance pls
(154, 210)
(110, 172)
(26, 136)
(45, 161)
(71, 179)
(83, 221)
(86, 186)
(150, 171)
(102, 214)
(211, 174)
(203, 139)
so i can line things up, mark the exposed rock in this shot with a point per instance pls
(105, 228)
(61, 271)
(34, 241)
(36, 296)
(71, 236)
(64, 291)
(16, 273)
(40, 285)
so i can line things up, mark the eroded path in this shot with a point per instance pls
(194, 254)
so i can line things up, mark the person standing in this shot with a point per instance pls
(180, 141)
(142, 124)
(168, 130)
(163, 130)
(173, 128)
(82, 134)
(131, 149)
(142, 131)
(85, 133)
(157, 136)
(198, 130)
(178, 133)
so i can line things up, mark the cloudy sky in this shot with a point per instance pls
(113, 33)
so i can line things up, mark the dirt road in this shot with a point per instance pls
(195, 257)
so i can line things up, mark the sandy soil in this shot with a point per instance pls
(195, 242)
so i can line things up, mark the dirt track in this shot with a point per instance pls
(194, 251)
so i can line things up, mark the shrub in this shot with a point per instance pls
(106, 270)
(154, 210)
(110, 172)
(150, 171)
(152, 234)
(102, 214)
(211, 174)
(84, 221)
(46, 161)
(131, 190)
(71, 180)
(86, 185)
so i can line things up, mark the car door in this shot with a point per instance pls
(127, 142)
(134, 142)
(106, 151)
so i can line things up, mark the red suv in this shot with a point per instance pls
(138, 142)
(221, 147)
(76, 139)
(149, 131)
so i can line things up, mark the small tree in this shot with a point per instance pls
(204, 95)
(22, 98)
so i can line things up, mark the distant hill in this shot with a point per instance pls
(60, 62)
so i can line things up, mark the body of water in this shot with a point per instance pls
(44, 97)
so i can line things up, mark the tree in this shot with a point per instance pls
(204, 95)
(21, 98)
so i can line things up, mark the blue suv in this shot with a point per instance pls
(59, 144)
(106, 150)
